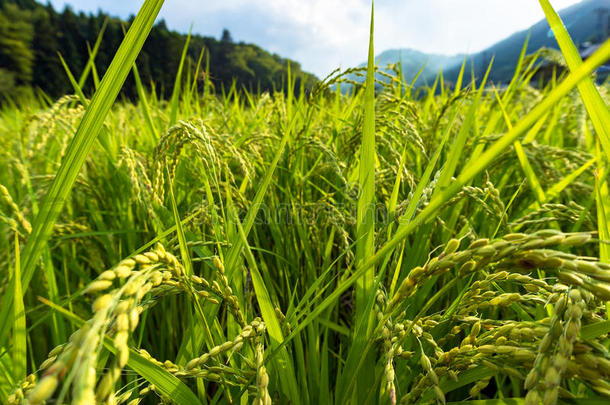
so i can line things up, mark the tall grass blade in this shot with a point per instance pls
(184, 251)
(178, 83)
(465, 378)
(365, 224)
(91, 63)
(599, 114)
(90, 66)
(19, 330)
(75, 85)
(595, 105)
(532, 179)
(603, 209)
(143, 99)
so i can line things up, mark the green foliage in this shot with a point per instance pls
(16, 55)
(7, 81)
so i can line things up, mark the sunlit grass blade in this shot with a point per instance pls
(188, 344)
(77, 87)
(184, 251)
(455, 152)
(396, 188)
(595, 105)
(90, 66)
(598, 112)
(175, 100)
(533, 132)
(532, 179)
(515, 81)
(94, 75)
(416, 197)
(594, 330)
(79, 148)
(6, 382)
(458, 83)
(143, 100)
(19, 330)
(233, 256)
(359, 357)
(365, 226)
(365, 219)
(194, 95)
(603, 209)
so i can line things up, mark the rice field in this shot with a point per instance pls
(389, 245)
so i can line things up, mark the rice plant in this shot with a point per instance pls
(390, 245)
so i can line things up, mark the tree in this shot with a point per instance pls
(16, 34)
(7, 82)
(226, 37)
(47, 72)
(72, 45)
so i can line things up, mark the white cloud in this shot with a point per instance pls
(324, 34)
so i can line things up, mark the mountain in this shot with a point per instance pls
(412, 61)
(587, 21)
(32, 35)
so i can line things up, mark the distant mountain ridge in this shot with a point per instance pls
(587, 21)
(412, 61)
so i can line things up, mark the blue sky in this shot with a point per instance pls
(325, 34)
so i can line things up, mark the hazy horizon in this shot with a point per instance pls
(325, 34)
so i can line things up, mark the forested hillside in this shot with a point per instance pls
(32, 36)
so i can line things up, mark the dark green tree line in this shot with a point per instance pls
(32, 35)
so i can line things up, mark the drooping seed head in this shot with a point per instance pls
(43, 390)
